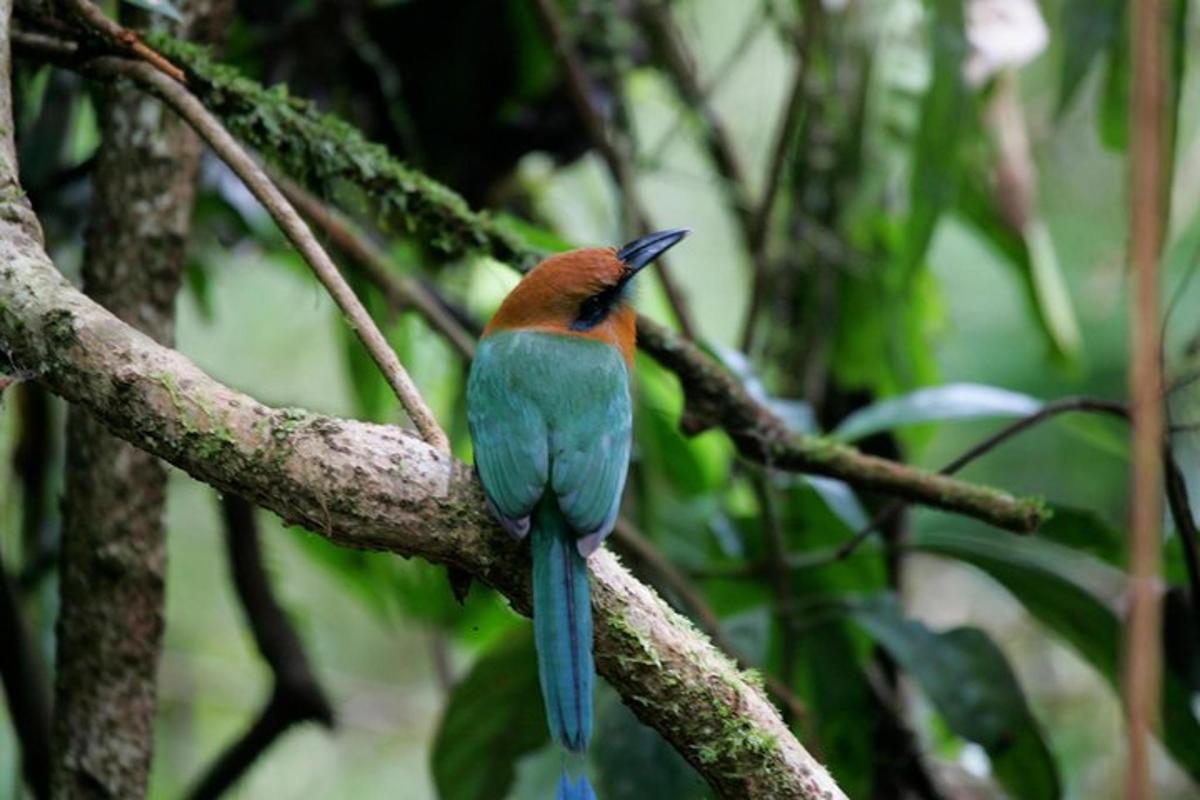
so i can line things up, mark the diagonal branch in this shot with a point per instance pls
(292, 225)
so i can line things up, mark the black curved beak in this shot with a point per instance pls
(641, 252)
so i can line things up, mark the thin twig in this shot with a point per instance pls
(121, 37)
(292, 225)
(761, 222)
(1149, 181)
(579, 87)
(681, 69)
(400, 290)
(297, 696)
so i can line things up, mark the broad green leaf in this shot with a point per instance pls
(954, 401)
(1053, 584)
(840, 499)
(1089, 27)
(1051, 294)
(969, 681)
(1032, 255)
(493, 717)
(163, 7)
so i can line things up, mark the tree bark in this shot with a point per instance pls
(113, 554)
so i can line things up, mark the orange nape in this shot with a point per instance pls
(549, 297)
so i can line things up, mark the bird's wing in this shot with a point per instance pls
(508, 432)
(590, 439)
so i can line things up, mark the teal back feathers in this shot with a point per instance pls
(551, 419)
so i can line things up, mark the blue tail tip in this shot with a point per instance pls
(580, 789)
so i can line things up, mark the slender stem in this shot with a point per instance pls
(1147, 213)
(579, 86)
(400, 290)
(25, 689)
(292, 225)
(121, 37)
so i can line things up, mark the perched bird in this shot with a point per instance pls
(550, 413)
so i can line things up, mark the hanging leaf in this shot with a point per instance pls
(955, 401)
(968, 679)
(1089, 27)
(494, 716)
(840, 499)
(1051, 295)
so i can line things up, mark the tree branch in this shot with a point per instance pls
(292, 225)
(372, 486)
(113, 558)
(296, 696)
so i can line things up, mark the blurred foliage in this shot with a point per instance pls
(914, 291)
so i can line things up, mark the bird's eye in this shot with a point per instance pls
(593, 310)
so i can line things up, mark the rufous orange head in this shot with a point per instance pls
(584, 292)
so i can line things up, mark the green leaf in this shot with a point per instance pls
(840, 499)
(1064, 591)
(164, 7)
(1031, 253)
(493, 717)
(1113, 118)
(1089, 27)
(953, 401)
(969, 681)
(1051, 295)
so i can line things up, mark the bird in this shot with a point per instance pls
(550, 414)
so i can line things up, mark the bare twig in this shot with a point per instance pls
(1147, 213)
(121, 37)
(297, 696)
(293, 226)
(400, 290)
(681, 69)
(618, 164)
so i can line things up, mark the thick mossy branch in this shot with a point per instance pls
(322, 151)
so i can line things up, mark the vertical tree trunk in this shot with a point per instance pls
(113, 556)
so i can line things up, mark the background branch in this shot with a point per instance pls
(619, 164)
(296, 695)
(292, 225)
(112, 563)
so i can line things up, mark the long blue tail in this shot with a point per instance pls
(562, 630)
